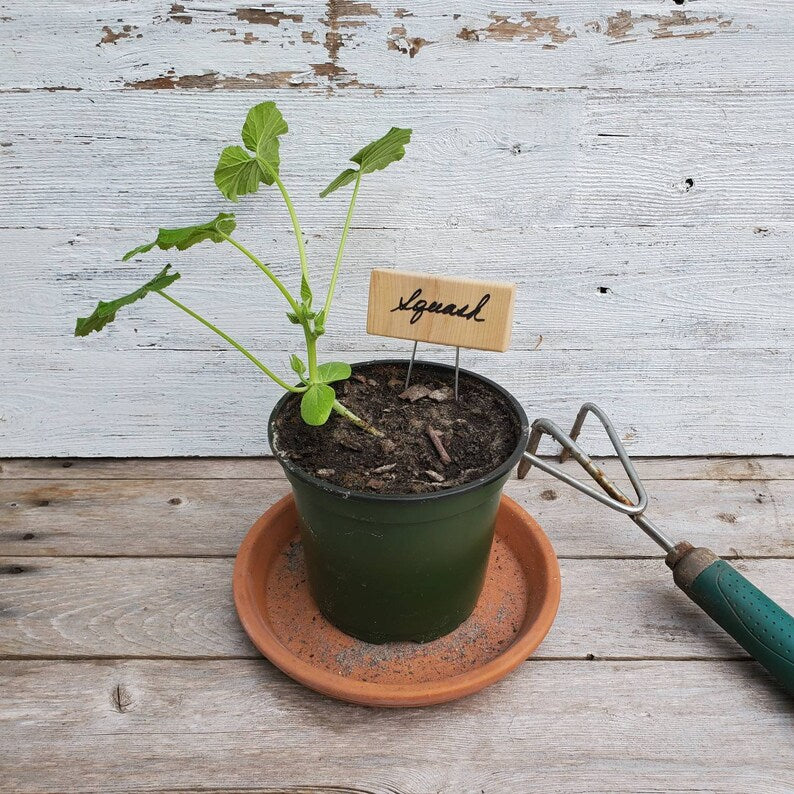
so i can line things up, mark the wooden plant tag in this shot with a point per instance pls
(448, 311)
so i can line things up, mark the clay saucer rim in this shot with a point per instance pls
(368, 693)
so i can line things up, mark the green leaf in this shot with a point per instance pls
(319, 323)
(105, 311)
(188, 235)
(297, 365)
(306, 292)
(388, 149)
(374, 157)
(345, 178)
(293, 318)
(263, 124)
(237, 173)
(333, 371)
(317, 403)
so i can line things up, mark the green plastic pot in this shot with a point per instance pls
(390, 567)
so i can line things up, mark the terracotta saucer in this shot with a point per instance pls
(514, 613)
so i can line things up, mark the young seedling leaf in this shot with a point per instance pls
(263, 125)
(317, 403)
(298, 367)
(237, 173)
(388, 149)
(374, 157)
(345, 178)
(105, 311)
(293, 318)
(319, 323)
(187, 236)
(306, 292)
(333, 371)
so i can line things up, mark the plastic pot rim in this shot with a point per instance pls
(346, 493)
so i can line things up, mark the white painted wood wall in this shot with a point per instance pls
(628, 163)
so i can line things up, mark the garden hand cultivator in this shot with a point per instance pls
(756, 622)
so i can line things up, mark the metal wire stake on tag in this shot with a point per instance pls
(457, 369)
(410, 366)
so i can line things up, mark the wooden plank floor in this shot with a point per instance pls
(123, 667)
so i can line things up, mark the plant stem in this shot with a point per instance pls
(265, 269)
(356, 420)
(342, 241)
(311, 352)
(296, 227)
(232, 342)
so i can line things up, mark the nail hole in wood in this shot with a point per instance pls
(175, 501)
(28, 536)
(604, 290)
(67, 464)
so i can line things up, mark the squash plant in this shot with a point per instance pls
(241, 171)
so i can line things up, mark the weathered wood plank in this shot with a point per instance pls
(553, 727)
(196, 517)
(188, 402)
(63, 608)
(578, 288)
(248, 468)
(266, 468)
(557, 44)
(668, 296)
(522, 158)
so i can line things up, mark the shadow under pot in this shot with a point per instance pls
(396, 567)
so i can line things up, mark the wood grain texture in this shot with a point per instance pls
(484, 159)
(583, 288)
(640, 204)
(62, 608)
(266, 468)
(552, 727)
(178, 402)
(352, 45)
(634, 262)
(443, 310)
(201, 517)
(628, 164)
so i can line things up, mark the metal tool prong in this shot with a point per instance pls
(575, 430)
(610, 495)
(756, 622)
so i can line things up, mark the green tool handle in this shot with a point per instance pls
(758, 624)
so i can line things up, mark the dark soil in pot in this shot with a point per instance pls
(431, 442)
